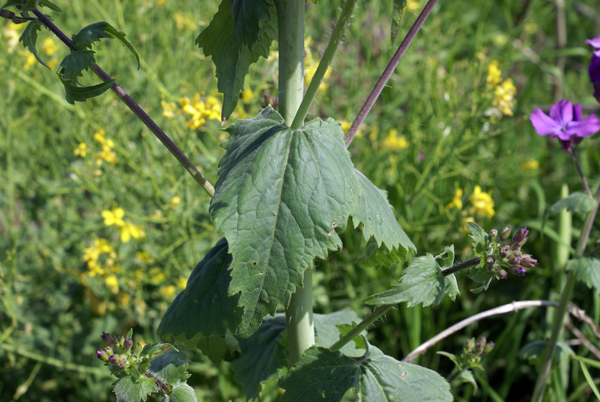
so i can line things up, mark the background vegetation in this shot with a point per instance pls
(102, 236)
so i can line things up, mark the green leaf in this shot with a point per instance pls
(381, 256)
(480, 238)
(247, 15)
(281, 196)
(589, 378)
(466, 376)
(156, 349)
(85, 38)
(329, 328)
(587, 270)
(130, 389)
(262, 355)
(204, 309)
(323, 375)
(182, 393)
(578, 202)
(73, 65)
(171, 367)
(81, 94)
(452, 357)
(29, 38)
(231, 57)
(398, 7)
(215, 347)
(50, 5)
(24, 5)
(375, 213)
(422, 282)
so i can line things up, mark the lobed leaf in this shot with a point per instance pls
(29, 38)
(85, 38)
(281, 196)
(479, 236)
(398, 7)
(181, 393)
(578, 202)
(381, 256)
(231, 55)
(587, 270)
(74, 93)
(73, 65)
(247, 16)
(323, 375)
(131, 389)
(171, 367)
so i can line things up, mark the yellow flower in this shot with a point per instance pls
(106, 154)
(413, 5)
(81, 150)
(52, 64)
(169, 109)
(482, 203)
(531, 164)
(144, 257)
(494, 75)
(11, 32)
(167, 292)
(184, 23)
(114, 217)
(395, 142)
(468, 219)
(99, 136)
(247, 95)
(158, 278)
(124, 298)
(92, 254)
(175, 201)
(129, 230)
(181, 282)
(49, 47)
(504, 96)
(160, 3)
(30, 59)
(456, 200)
(113, 283)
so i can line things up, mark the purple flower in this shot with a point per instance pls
(594, 68)
(595, 43)
(565, 123)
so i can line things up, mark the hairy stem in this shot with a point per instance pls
(364, 324)
(387, 73)
(566, 294)
(137, 110)
(324, 64)
(465, 264)
(290, 16)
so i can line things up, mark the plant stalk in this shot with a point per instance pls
(364, 324)
(566, 294)
(290, 18)
(136, 109)
(324, 64)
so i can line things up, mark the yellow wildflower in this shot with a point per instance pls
(114, 217)
(129, 230)
(99, 136)
(184, 23)
(144, 257)
(169, 109)
(167, 292)
(531, 164)
(49, 47)
(175, 201)
(81, 150)
(124, 298)
(395, 142)
(413, 5)
(11, 33)
(482, 203)
(247, 95)
(181, 282)
(160, 3)
(30, 60)
(113, 283)
(456, 200)
(494, 75)
(158, 278)
(504, 96)
(106, 154)
(52, 64)
(464, 222)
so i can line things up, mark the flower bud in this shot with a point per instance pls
(109, 350)
(107, 339)
(127, 344)
(490, 261)
(121, 365)
(517, 270)
(505, 233)
(504, 250)
(137, 349)
(488, 348)
(527, 261)
(502, 274)
(493, 234)
(520, 237)
(102, 355)
(111, 359)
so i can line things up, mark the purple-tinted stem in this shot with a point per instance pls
(465, 264)
(389, 70)
(136, 109)
(585, 184)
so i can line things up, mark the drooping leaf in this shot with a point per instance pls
(131, 389)
(74, 93)
(579, 202)
(86, 36)
(280, 198)
(328, 331)
(231, 57)
(156, 349)
(452, 357)
(73, 65)
(381, 256)
(171, 367)
(29, 38)
(50, 5)
(375, 213)
(247, 16)
(422, 282)
(398, 7)
(262, 355)
(323, 375)
(182, 393)
(466, 376)
(204, 310)
(587, 270)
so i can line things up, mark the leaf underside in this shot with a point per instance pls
(85, 38)
(579, 202)
(323, 375)
(232, 50)
(29, 38)
(587, 270)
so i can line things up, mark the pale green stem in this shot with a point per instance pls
(364, 324)
(324, 64)
(290, 17)
(564, 230)
(566, 294)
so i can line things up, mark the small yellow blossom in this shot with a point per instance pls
(81, 150)
(30, 60)
(413, 6)
(106, 154)
(531, 164)
(169, 109)
(52, 64)
(160, 3)
(504, 96)
(124, 298)
(181, 282)
(129, 230)
(247, 95)
(482, 203)
(113, 283)
(200, 110)
(184, 23)
(158, 278)
(494, 75)
(175, 201)
(167, 292)
(99, 136)
(395, 142)
(49, 47)
(456, 200)
(114, 217)
(144, 257)
(464, 222)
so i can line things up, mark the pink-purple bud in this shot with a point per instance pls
(505, 233)
(102, 355)
(493, 234)
(528, 262)
(109, 350)
(517, 270)
(502, 274)
(108, 339)
(121, 365)
(520, 237)
(127, 344)
(111, 359)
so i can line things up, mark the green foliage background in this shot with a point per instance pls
(51, 200)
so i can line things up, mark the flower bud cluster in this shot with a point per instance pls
(472, 352)
(119, 351)
(504, 254)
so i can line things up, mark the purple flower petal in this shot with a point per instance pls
(584, 128)
(577, 112)
(543, 124)
(594, 69)
(594, 42)
(562, 112)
